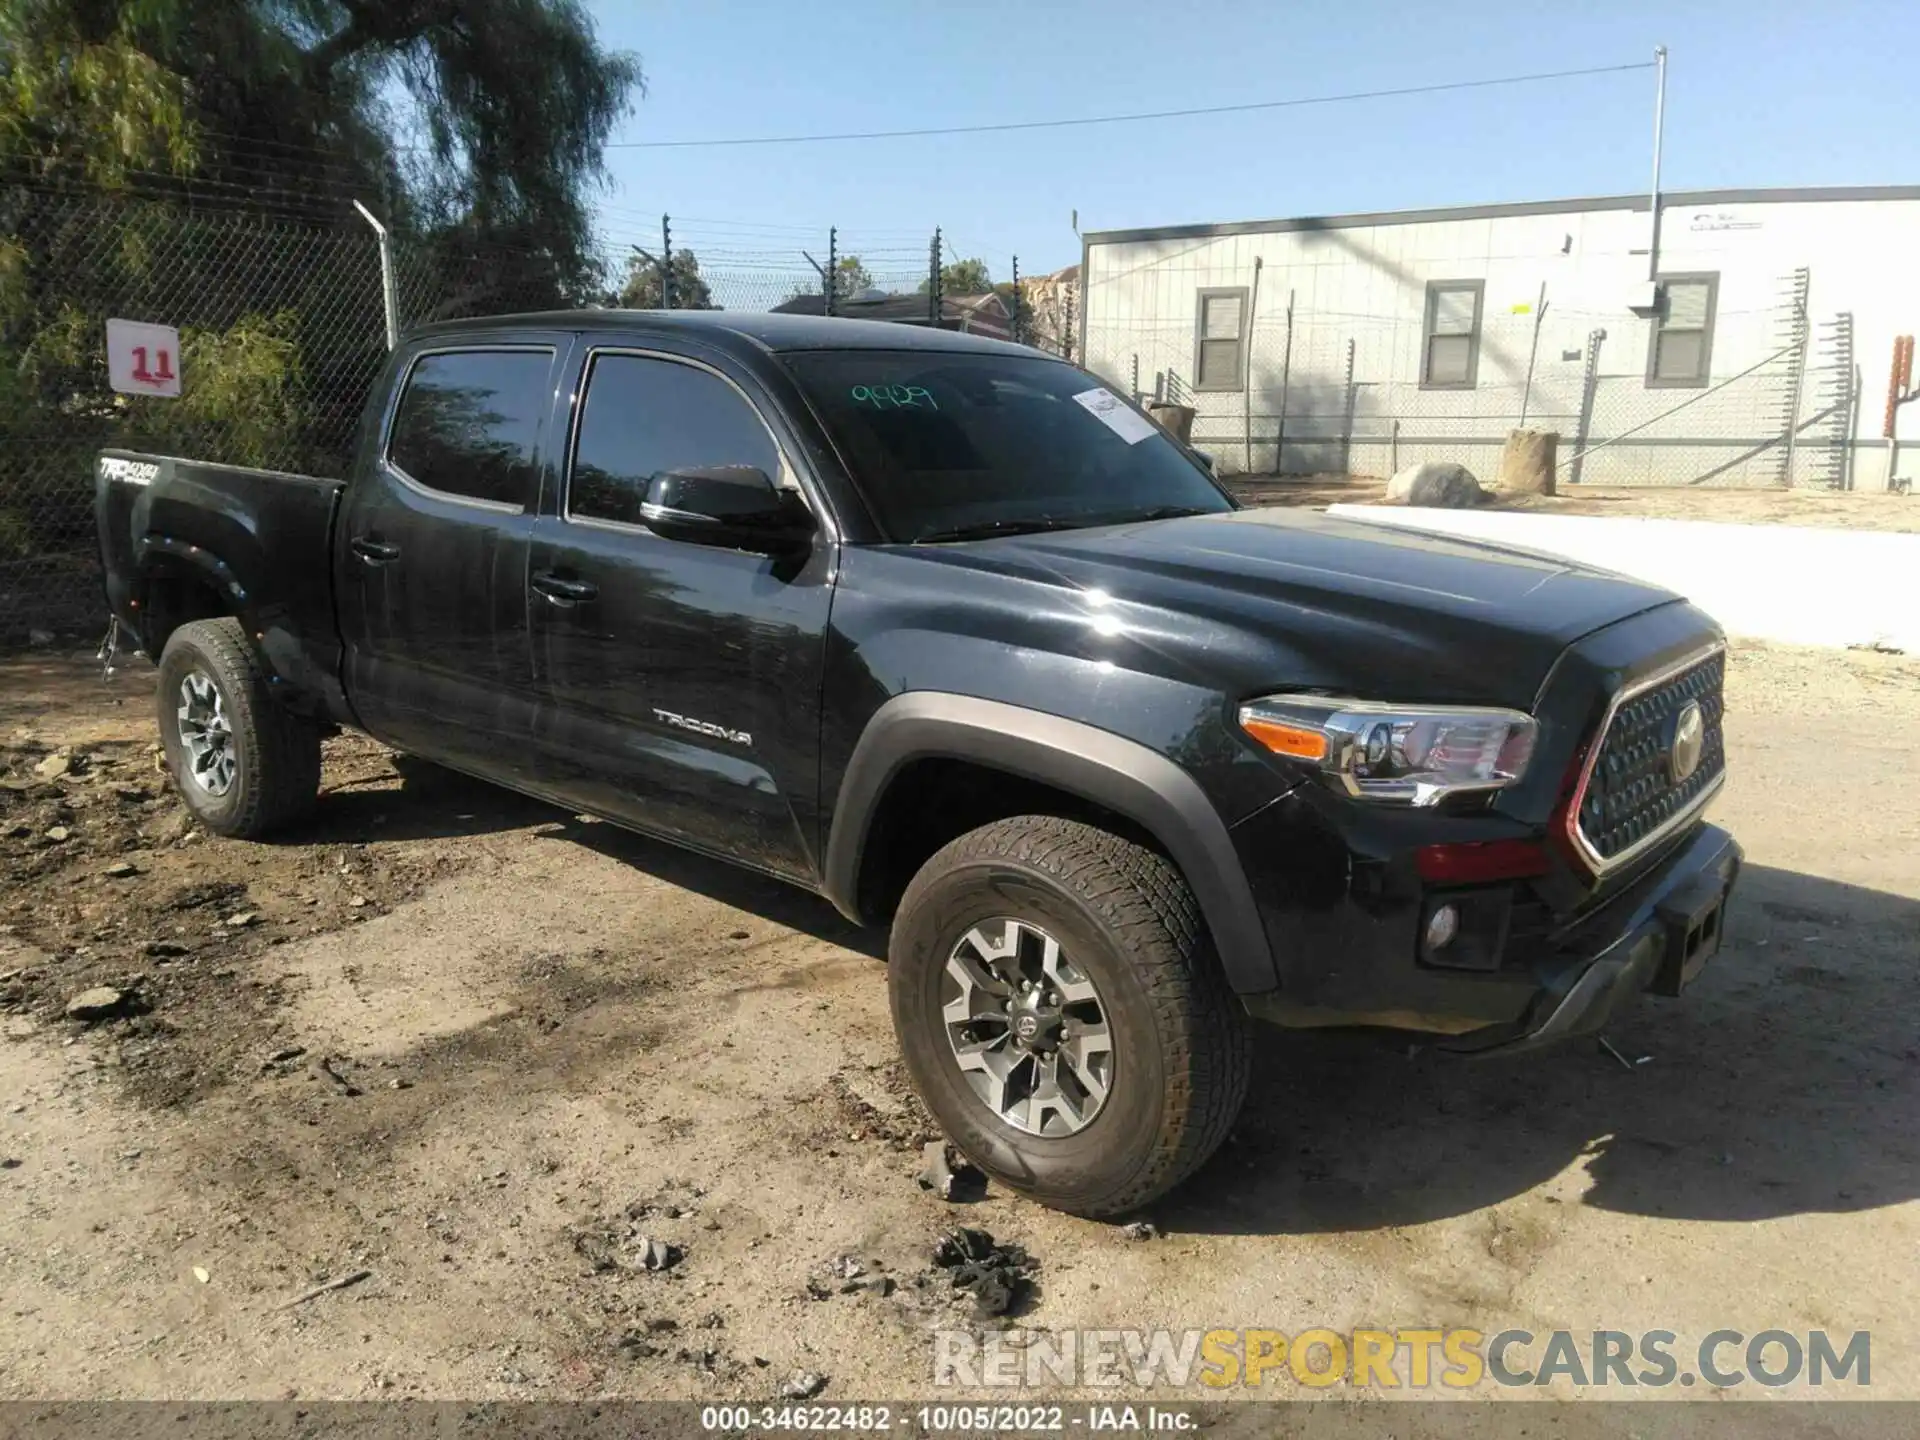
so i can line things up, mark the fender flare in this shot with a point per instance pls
(1110, 770)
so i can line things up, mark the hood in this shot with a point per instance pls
(1299, 598)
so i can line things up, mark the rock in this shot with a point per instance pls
(59, 763)
(803, 1385)
(243, 919)
(10, 1162)
(939, 1174)
(1436, 484)
(59, 834)
(166, 949)
(40, 639)
(96, 1004)
(1139, 1230)
(282, 1055)
(651, 1254)
(120, 870)
(1528, 462)
(201, 1274)
(357, 901)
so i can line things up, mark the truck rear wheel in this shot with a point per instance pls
(244, 765)
(1062, 1013)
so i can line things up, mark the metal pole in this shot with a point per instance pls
(1539, 314)
(933, 280)
(1286, 383)
(1013, 320)
(1801, 333)
(1653, 199)
(1134, 384)
(666, 263)
(833, 265)
(1246, 379)
(389, 294)
(1589, 383)
(1346, 426)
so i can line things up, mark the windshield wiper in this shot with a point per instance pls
(985, 529)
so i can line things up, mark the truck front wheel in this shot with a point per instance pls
(244, 765)
(1061, 1012)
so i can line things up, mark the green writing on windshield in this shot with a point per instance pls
(894, 397)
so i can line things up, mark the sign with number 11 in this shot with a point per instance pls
(143, 359)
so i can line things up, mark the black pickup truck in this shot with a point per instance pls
(952, 634)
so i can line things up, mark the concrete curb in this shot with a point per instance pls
(1791, 583)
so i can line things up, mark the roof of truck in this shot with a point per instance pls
(753, 328)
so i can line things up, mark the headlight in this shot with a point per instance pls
(1400, 754)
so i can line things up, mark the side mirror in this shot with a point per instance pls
(736, 507)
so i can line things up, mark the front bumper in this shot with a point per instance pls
(1656, 937)
(1653, 933)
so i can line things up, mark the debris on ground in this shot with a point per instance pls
(997, 1277)
(352, 1277)
(1140, 1230)
(121, 870)
(803, 1385)
(330, 1070)
(102, 1002)
(947, 1175)
(849, 1275)
(59, 763)
(622, 1245)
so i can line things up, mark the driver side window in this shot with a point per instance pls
(643, 416)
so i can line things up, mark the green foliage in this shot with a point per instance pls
(641, 290)
(851, 278)
(963, 277)
(242, 384)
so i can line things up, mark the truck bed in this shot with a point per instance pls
(181, 538)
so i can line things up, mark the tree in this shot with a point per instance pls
(642, 290)
(476, 128)
(289, 104)
(963, 277)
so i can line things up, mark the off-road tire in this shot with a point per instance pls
(277, 753)
(1129, 922)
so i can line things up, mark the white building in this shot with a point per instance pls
(1365, 342)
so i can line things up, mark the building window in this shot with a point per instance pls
(1452, 358)
(1220, 339)
(1681, 345)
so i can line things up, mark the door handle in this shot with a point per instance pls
(374, 552)
(562, 591)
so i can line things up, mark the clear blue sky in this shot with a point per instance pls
(1812, 92)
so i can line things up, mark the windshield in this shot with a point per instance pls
(958, 447)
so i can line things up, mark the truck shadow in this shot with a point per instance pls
(1785, 1082)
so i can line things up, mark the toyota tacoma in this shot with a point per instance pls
(949, 632)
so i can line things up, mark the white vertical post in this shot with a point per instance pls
(1659, 122)
(387, 291)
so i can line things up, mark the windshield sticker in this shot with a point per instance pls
(1105, 406)
(894, 397)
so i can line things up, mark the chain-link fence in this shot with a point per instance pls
(283, 329)
(1299, 391)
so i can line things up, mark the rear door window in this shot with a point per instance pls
(468, 422)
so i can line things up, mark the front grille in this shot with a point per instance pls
(1631, 796)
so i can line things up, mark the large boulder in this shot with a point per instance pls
(1437, 484)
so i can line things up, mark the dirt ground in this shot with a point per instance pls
(1829, 509)
(478, 1050)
